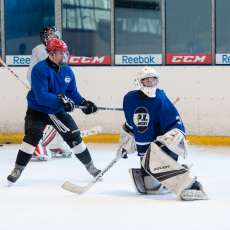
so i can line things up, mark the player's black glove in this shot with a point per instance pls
(67, 103)
(90, 107)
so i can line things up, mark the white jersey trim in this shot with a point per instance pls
(143, 143)
(27, 148)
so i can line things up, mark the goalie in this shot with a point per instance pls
(154, 129)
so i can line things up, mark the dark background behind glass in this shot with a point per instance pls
(137, 27)
(23, 21)
(188, 26)
(86, 27)
(222, 26)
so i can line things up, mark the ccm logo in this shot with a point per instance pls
(89, 60)
(189, 59)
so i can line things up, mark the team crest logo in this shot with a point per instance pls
(67, 79)
(141, 119)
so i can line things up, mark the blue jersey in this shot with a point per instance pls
(150, 117)
(47, 81)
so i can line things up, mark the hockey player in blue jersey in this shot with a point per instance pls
(51, 144)
(53, 94)
(154, 129)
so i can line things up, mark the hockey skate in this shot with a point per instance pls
(195, 192)
(15, 174)
(92, 169)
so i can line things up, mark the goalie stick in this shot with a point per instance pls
(176, 100)
(82, 189)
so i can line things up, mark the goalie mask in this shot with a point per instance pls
(49, 32)
(147, 81)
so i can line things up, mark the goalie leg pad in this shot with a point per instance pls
(171, 174)
(138, 180)
(146, 184)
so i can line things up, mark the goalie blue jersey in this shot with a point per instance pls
(150, 117)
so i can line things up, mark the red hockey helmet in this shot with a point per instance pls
(55, 44)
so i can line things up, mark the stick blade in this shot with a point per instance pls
(68, 186)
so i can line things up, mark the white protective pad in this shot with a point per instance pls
(146, 184)
(175, 141)
(126, 142)
(170, 173)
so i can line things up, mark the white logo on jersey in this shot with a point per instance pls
(141, 119)
(178, 119)
(67, 79)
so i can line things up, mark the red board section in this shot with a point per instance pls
(82, 60)
(188, 59)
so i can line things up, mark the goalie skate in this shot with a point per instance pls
(196, 192)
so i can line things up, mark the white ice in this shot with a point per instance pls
(37, 201)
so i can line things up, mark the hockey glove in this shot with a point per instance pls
(67, 103)
(90, 107)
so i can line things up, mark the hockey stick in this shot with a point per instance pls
(116, 109)
(83, 133)
(100, 108)
(91, 131)
(13, 73)
(176, 100)
(82, 189)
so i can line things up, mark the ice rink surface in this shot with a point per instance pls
(37, 201)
